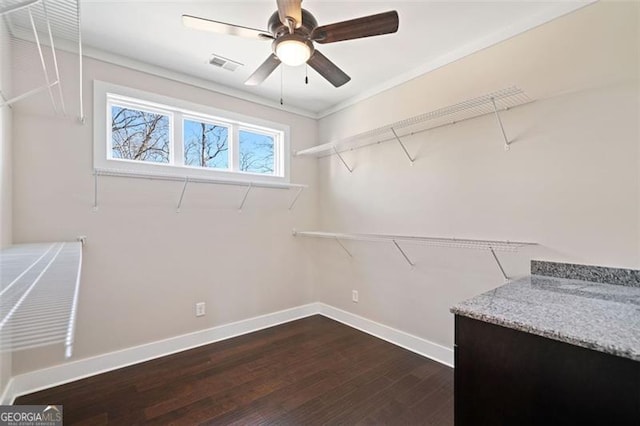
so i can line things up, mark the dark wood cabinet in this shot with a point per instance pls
(509, 377)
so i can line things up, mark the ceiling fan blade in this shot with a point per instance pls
(367, 26)
(290, 9)
(223, 28)
(263, 71)
(328, 69)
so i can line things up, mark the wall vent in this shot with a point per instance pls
(224, 63)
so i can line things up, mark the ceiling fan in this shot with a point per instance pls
(293, 31)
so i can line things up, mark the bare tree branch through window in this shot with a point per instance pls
(256, 152)
(206, 145)
(139, 135)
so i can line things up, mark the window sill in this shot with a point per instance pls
(259, 182)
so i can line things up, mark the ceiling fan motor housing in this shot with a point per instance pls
(277, 28)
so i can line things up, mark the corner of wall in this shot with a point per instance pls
(6, 227)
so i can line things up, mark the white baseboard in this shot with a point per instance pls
(8, 395)
(434, 351)
(64, 373)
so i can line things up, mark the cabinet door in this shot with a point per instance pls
(508, 377)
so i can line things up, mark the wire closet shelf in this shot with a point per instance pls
(36, 30)
(490, 103)
(39, 295)
(186, 180)
(491, 246)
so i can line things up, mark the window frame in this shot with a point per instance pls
(107, 95)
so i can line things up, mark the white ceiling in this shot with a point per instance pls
(430, 35)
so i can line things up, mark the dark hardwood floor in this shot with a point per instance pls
(310, 371)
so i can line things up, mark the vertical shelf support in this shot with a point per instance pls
(343, 247)
(246, 194)
(295, 199)
(504, 135)
(342, 159)
(184, 188)
(404, 148)
(403, 254)
(495, 257)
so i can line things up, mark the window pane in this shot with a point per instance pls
(206, 145)
(139, 135)
(256, 152)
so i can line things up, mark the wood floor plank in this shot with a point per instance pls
(310, 371)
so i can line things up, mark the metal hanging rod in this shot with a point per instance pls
(490, 245)
(191, 179)
(483, 105)
(39, 296)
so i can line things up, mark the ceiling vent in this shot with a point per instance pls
(224, 63)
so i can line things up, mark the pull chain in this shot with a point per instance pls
(306, 73)
(281, 85)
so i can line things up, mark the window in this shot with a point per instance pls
(155, 134)
(206, 144)
(256, 152)
(139, 135)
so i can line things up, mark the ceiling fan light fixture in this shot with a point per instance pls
(292, 50)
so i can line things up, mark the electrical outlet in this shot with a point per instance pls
(200, 309)
(354, 296)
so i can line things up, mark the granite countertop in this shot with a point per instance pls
(598, 316)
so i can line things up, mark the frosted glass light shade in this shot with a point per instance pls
(293, 52)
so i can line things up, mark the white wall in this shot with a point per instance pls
(5, 172)
(145, 266)
(570, 181)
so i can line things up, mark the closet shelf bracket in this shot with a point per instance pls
(342, 159)
(507, 144)
(35, 91)
(403, 254)
(184, 188)
(246, 194)
(343, 247)
(404, 148)
(54, 56)
(49, 85)
(295, 198)
(495, 257)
